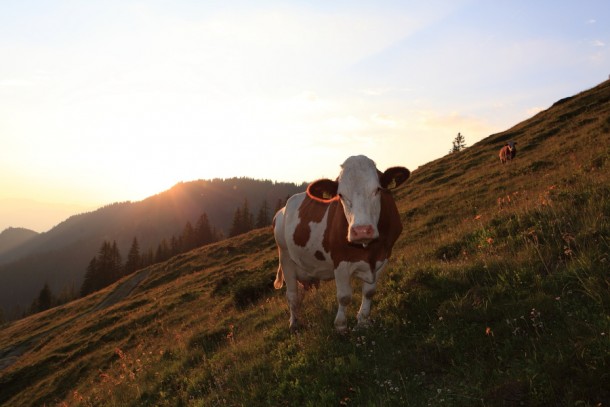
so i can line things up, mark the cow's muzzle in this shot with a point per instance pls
(362, 234)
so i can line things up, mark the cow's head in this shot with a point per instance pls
(358, 187)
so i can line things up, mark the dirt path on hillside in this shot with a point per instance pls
(10, 355)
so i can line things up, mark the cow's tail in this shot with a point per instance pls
(279, 278)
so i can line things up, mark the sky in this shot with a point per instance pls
(105, 101)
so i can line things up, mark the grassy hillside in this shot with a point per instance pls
(498, 294)
(61, 255)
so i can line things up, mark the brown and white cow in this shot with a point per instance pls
(338, 230)
(508, 152)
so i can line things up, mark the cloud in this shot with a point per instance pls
(383, 91)
(598, 43)
(384, 120)
(16, 83)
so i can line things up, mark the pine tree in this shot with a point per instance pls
(148, 258)
(459, 143)
(189, 238)
(134, 261)
(237, 222)
(163, 252)
(175, 246)
(104, 269)
(203, 231)
(262, 219)
(247, 218)
(45, 298)
(243, 220)
(116, 266)
(279, 205)
(92, 278)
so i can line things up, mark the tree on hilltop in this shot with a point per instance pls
(459, 143)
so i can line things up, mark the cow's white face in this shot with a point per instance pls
(359, 188)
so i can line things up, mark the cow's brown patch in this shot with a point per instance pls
(335, 236)
(310, 211)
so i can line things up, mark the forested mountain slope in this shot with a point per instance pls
(61, 255)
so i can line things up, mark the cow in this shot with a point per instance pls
(508, 152)
(339, 230)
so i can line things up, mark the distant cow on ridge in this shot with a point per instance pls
(508, 152)
(338, 230)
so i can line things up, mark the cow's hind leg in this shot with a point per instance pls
(368, 291)
(292, 290)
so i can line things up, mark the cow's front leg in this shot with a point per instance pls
(368, 291)
(344, 297)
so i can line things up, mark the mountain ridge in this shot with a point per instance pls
(60, 256)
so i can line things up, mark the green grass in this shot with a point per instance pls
(498, 294)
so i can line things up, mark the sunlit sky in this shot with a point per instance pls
(107, 101)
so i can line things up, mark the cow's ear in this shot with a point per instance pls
(393, 177)
(323, 189)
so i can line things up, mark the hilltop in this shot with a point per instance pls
(497, 294)
(60, 256)
(11, 238)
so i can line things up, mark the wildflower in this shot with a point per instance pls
(490, 241)
(477, 217)
(230, 334)
(119, 353)
(488, 332)
(77, 396)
